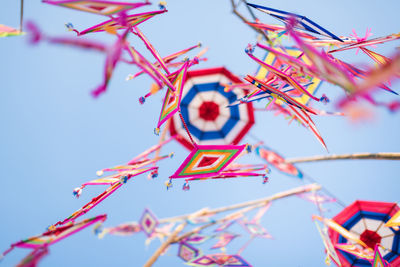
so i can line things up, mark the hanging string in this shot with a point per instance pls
(309, 178)
(255, 138)
(162, 138)
(21, 18)
(318, 204)
(250, 11)
(187, 130)
(245, 245)
(326, 191)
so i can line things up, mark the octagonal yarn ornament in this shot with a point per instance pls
(148, 222)
(206, 161)
(205, 109)
(366, 219)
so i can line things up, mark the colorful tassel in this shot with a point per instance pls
(77, 192)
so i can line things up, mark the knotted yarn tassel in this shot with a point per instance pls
(249, 49)
(70, 27)
(77, 192)
(162, 5)
(142, 99)
(98, 229)
(123, 179)
(168, 183)
(324, 99)
(153, 174)
(186, 186)
(249, 148)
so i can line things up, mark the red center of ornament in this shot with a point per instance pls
(370, 238)
(206, 161)
(171, 99)
(98, 8)
(209, 111)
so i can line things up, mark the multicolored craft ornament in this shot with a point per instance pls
(311, 84)
(366, 220)
(255, 229)
(220, 260)
(277, 161)
(207, 160)
(187, 252)
(378, 260)
(302, 22)
(394, 221)
(236, 171)
(148, 222)
(6, 31)
(205, 111)
(113, 25)
(124, 229)
(316, 198)
(374, 41)
(100, 7)
(114, 185)
(33, 258)
(172, 99)
(356, 250)
(329, 248)
(196, 239)
(224, 239)
(54, 234)
(284, 76)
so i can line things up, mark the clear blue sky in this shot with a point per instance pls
(54, 136)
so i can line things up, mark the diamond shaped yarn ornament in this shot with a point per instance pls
(207, 160)
(148, 222)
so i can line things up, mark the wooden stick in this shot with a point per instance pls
(193, 231)
(378, 156)
(174, 238)
(164, 245)
(170, 240)
(206, 211)
(234, 10)
(199, 228)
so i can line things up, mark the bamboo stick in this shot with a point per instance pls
(174, 238)
(376, 156)
(234, 10)
(206, 211)
(164, 245)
